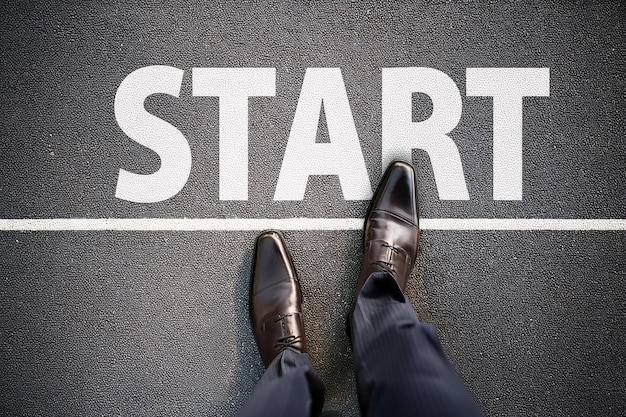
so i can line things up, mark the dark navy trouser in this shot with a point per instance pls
(400, 367)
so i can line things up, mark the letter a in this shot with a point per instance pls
(342, 156)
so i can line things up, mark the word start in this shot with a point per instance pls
(342, 155)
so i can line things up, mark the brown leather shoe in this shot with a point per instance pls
(391, 230)
(275, 299)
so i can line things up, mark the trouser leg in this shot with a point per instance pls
(400, 366)
(290, 387)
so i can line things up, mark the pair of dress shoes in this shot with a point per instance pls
(390, 242)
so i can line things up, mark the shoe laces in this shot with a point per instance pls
(392, 248)
(285, 341)
(387, 266)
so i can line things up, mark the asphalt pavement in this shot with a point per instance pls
(155, 322)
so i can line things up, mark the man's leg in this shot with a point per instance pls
(289, 388)
(399, 364)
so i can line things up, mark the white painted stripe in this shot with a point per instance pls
(155, 224)
(234, 224)
(523, 224)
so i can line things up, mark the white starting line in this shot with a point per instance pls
(257, 224)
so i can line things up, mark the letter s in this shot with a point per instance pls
(152, 132)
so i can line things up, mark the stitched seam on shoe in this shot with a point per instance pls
(274, 284)
(396, 216)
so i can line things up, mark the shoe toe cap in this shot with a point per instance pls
(398, 194)
(272, 262)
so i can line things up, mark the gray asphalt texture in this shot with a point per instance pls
(156, 323)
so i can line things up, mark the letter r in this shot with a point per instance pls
(401, 135)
